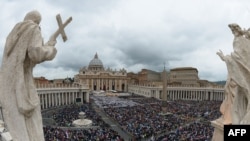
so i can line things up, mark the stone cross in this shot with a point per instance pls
(61, 26)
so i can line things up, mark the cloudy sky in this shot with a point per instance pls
(134, 34)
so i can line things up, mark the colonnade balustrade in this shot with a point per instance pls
(58, 95)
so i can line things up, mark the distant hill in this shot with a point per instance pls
(220, 82)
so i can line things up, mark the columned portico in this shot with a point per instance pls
(180, 93)
(52, 97)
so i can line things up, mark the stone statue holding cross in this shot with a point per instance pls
(24, 49)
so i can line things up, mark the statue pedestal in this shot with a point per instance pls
(218, 134)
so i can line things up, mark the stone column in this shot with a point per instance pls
(116, 84)
(206, 95)
(202, 95)
(46, 100)
(173, 96)
(66, 98)
(176, 95)
(198, 95)
(126, 85)
(53, 99)
(87, 97)
(60, 100)
(98, 84)
(63, 98)
(109, 84)
(81, 95)
(195, 95)
(69, 98)
(74, 97)
(212, 96)
(41, 100)
(56, 99)
(54, 95)
(49, 99)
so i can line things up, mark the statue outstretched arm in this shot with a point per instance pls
(222, 56)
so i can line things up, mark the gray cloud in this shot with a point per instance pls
(134, 34)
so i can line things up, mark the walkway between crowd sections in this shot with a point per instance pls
(113, 124)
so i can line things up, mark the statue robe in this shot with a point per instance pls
(18, 95)
(238, 65)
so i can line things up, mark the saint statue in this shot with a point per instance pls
(24, 49)
(235, 108)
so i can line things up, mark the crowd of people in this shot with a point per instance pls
(65, 117)
(197, 131)
(143, 118)
(64, 132)
(112, 101)
(147, 119)
(97, 134)
(143, 121)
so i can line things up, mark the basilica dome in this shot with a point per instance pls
(95, 63)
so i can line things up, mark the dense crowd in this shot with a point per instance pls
(143, 118)
(98, 134)
(197, 131)
(64, 118)
(146, 119)
(143, 121)
(112, 101)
